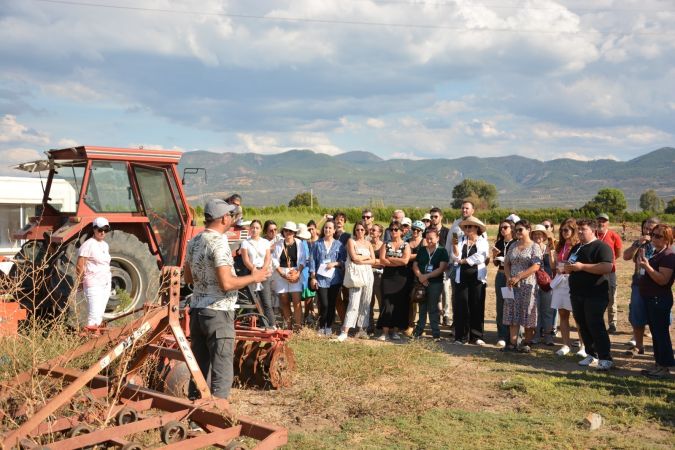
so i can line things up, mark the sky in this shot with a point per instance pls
(398, 78)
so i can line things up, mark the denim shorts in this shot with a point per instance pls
(637, 309)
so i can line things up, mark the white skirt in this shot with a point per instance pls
(560, 298)
(283, 286)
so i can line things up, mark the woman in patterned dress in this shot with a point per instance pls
(522, 261)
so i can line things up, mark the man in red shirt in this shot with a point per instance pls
(612, 239)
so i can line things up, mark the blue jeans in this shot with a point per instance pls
(546, 314)
(430, 306)
(658, 313)
(502, 330)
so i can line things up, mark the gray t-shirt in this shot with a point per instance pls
(207, 251)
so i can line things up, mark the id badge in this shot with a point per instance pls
(572, 259)
(642, 272)
(326, 261)
(430, 268)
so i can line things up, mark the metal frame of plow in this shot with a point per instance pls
(136, 409)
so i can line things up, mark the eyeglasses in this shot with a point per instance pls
(520, 229)
(394, 229)
(366, 217)
(603, 220)
(102, 230)
(505, 227)
(657, 236)
(566, 230)
(426, 220)
(416, 229)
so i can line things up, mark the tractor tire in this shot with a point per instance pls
(134, 270)
(26, 278)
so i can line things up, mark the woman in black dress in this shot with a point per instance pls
(394, 256)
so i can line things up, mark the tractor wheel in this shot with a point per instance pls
(135, 277)
(26, 274)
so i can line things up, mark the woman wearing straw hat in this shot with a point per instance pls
(471, 280)
(289, 258)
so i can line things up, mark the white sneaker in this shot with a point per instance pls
(343, 337)
(395, 336)
(576, 344)
(479, 342)
(328, 331)
(563, 351)
(382, 338)
(501, 343)
(604, 365)
(321, 332)
(632, 343)
(589, 361)
(582, 352)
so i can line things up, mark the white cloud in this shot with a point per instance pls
(13, 131)
(272, 144)
(67, 143)
(375, 123)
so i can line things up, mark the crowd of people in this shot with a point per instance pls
(419, 272)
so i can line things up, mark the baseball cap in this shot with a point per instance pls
(101, 222)
(419, 225)
(217, 208)
(602, 216)
(406, 221)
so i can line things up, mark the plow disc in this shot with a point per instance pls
(263, 364)
(84, 408)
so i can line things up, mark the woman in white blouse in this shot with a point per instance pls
(255, 254)
(471, 279)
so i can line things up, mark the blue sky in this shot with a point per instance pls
(412, 79)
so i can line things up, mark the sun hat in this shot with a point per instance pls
(419, 225)
(290, 225)
(427, 216)
(303, 232)
(514, 218)
(406, 221)
(101, 222)
(542, 229)
(602, 216)
(471, 220)
(217, 208)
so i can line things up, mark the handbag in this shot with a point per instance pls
(419, 293)
(543, 280)
(354, 276)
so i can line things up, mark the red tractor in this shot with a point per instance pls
(140, 192)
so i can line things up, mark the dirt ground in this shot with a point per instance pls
(486, 365)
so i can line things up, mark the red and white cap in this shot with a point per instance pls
(101, 222)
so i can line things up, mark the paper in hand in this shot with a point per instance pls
(507, 292)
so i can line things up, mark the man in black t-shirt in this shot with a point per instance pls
(589, 263)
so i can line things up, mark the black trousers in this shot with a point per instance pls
(469, 309)
(327, 299)
(589, 310)
(212, 343)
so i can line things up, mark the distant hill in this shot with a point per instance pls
(357, 178)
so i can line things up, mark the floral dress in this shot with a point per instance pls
(522, 310)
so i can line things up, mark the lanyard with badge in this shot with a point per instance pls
(430, 265)
(573, 257)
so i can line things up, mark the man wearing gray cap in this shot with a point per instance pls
(210, 268)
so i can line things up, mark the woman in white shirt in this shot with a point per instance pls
(255, 254)
(93, 269)
(471, 280)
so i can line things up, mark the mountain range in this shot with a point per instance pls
(361, 178)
